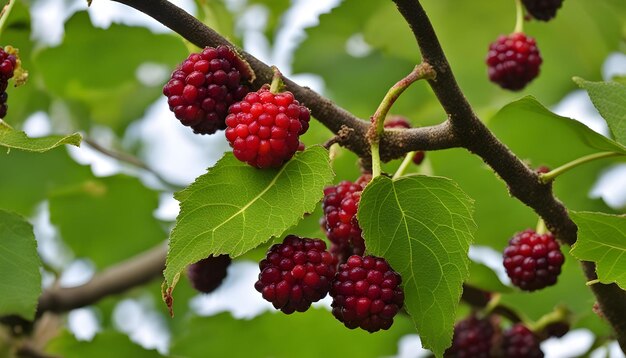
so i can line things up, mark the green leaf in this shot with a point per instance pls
(610, 100)
(540, 137)
(490, 194)
(215, 14)
(104, 345)
(311, 334)
(423, 226)
(20, 282)
(602, 239)
(481, 276)
(234, 207)
(275, 16)
(19, 140)
(527, 117)
(107, 219)
(103, 82)
(33, 175)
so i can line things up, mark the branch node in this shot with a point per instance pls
(333, 140)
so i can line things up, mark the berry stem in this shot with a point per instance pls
(375, 159)
(541, 227)
(5, 125)
(405, 164)
(519, 19)
(492, 304)
(551, 175)
(421, 71)
(560, 314)
(277, 81)
(333, 151)
(4, 14)
(592, 282)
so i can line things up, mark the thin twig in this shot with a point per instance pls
(133, 272)
(554, 173)
(6, 11)
(479, 298)
(132, 160)
(332, 140)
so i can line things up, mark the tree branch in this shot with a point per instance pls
(133, 272)
(393, 145)
(523, 183)
(149, 265)
(132, 160)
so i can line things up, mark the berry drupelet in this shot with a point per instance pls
(418, 157)
(296, 273)
(542, 169)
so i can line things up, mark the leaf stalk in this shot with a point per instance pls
(377, 127)
(519, 18)
(551, 175)
(408, 158)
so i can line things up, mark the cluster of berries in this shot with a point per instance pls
(480, 338)
(8, 63)
(513, 60)
(366, 291)
(532, 261)
(209, 92)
